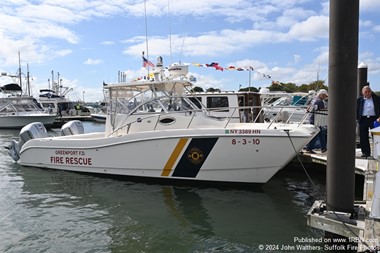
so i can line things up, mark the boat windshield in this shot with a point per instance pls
(295, 100)
(18, 104)
(149, 97)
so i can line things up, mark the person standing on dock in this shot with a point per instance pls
(368, 111)
(318, 105)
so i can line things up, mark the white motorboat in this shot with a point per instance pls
(99, 117)
(290, 108)
(251, 104)
(17, 111)
(101, 113)
(154, 130)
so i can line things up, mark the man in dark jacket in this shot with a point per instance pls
(368, 111)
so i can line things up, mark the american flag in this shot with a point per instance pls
(146, 62)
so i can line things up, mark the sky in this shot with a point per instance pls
(88, 41)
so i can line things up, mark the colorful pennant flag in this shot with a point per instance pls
(215, 65)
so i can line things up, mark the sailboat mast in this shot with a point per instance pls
(170, 35)
(27, 79)
(19, 70)
(58, 85)
(52, 80)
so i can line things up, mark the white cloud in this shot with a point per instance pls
(370, 5)
(311, 29)
(91, 61)
(297, 58)
(108, 43)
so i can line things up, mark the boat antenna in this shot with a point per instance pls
(183, 43)
(318, 72)
(170, 35)
(146, 36)
(249, 79)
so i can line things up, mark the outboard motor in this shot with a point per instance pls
(72, 128)
(31, 131)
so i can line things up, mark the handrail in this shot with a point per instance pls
(208, 113)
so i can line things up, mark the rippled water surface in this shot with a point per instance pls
(55, 211)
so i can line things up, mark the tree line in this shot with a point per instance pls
(277, 86)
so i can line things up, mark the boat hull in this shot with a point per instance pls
(99, 117)
(19, 121)
(216, 155)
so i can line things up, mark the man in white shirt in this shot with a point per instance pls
(368, 112)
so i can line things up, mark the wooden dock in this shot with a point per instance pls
(361, 164)
(59, 121)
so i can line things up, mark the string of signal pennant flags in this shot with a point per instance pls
(215, 65)
(218, 67)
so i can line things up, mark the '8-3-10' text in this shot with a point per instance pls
(245, 141)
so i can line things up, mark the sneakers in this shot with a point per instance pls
(310, 152)
(323, 150)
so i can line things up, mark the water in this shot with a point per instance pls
(56, 211)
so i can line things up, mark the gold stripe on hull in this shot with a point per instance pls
(173, 157)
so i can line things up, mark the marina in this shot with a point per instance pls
(165, 165)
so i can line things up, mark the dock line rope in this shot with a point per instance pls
(352, 232)
(299, 159)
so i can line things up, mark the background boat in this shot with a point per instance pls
(17, 110)
(54, 100)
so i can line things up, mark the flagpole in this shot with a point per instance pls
(249, 89)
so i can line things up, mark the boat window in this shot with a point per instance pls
(299, 100)
(46, 105)
(218, 102)
(283, 101)
(196, 101)
(167, 121)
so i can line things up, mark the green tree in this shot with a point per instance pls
(304, 88)
(197, 89)
(213, 90)
(254, 89)
(291, 87)
(276, 86)
(317, 85)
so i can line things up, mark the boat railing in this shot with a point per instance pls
(284, 114)
(258, 115)
(7, 106)
(320, 118)
(4, 106)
